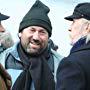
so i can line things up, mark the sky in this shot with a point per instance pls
(59, 9)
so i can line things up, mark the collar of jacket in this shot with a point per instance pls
(78, 44)
(83, 46)
(13, 57)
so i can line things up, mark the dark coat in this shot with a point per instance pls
(74, 71)
(5, 79)
(2, 84)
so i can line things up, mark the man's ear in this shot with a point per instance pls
(88, 35)
(87, 29)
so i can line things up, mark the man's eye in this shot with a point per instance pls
(42, 32)
(32, 30)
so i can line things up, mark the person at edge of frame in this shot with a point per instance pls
(74, 71)
(6, 41)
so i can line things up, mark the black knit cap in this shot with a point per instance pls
(82, 10)
(3, 17)
(37, 16)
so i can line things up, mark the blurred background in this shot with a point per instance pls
(16, 9)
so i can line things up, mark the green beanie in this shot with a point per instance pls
(37, 16)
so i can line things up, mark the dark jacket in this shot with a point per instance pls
(74, 71)
(5, 79)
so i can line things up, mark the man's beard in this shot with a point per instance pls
(6, 39)
(31, 51)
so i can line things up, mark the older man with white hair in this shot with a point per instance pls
(74, 71)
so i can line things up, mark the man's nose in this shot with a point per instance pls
(70, 28)
(36, 35)
(2, 29)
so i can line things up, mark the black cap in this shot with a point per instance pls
(82, 10)
(37, 16)
(3, 17)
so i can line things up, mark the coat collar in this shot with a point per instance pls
(85, 46)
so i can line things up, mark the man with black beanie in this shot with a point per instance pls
(31, 60)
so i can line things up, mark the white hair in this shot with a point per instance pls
(85, 21)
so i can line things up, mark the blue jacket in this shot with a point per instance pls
(14, 72)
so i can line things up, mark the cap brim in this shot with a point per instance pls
(70, 18)
(3, 17)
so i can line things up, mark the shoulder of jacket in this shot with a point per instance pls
(56, 54)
